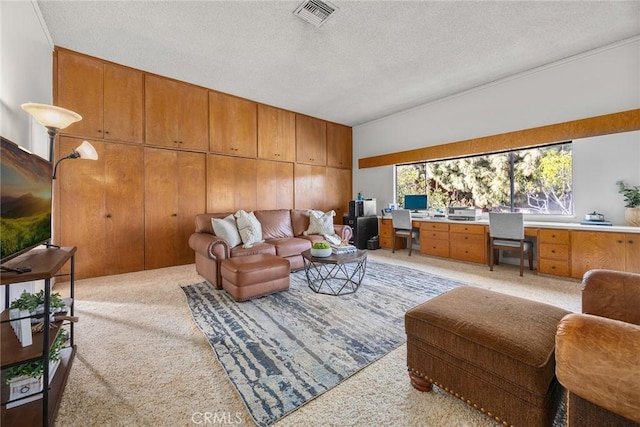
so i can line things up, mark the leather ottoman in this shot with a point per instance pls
(493, 351)
(252, 276)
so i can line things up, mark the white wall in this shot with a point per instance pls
(600, 82)
(26, 64)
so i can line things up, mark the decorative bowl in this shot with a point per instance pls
(320, 253)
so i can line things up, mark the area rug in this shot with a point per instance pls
(282, 350)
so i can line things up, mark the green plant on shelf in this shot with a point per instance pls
(31, 302)
(35, 369)
(631, 194)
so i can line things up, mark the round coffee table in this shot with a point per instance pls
(335, 274)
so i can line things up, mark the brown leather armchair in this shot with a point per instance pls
(598, 352)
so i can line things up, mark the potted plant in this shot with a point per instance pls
(35, 304)
(26, 379)
(631, 194)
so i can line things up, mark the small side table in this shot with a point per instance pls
(335, 274)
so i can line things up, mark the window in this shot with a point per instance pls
(534, 180)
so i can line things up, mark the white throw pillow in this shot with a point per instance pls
(249, 228)
(320, 223)
(227, 229)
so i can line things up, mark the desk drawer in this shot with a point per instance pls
(555, 267)
(468, 252)
(434, 235)
(435, 248)
(433, 226)
(467, 228)
(475, 239)
(551, 251)
(548, 235)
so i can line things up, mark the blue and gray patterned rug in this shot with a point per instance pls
(282, 350)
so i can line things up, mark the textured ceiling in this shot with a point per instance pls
(369, 60)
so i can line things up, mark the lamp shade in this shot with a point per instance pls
(51, 116)
(86, 151)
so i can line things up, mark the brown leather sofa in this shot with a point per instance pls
(282, 231)
(598, 352)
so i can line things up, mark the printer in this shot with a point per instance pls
(464, 213)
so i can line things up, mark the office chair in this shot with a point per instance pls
(506, 232)
(401, 223)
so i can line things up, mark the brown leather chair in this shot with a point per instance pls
(598, 352)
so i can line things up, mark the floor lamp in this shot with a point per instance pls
(83, 151)
(53, 118)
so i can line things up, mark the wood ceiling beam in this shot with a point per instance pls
(624, 121)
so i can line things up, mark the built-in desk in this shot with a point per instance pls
(562, 248)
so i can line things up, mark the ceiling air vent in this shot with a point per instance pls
(315, 12)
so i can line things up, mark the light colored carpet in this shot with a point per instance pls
(141, 360)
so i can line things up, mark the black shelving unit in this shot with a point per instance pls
(364, 228)
(45, 264)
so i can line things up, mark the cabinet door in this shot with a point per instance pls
(80, 89)
(80, 211)
(594, 249)
(310, 187)
(233, 125)
(276, 134)
(231, 183)
(99, 208)
(338, 192)
(123, 104)
(161, 111)
(174, 195)
(632, 252)
(124, 207)
(192, 178)
(311, 140)
(339, 146)
(193, 102)
(275, 185)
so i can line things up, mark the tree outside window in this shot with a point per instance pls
(536, 180)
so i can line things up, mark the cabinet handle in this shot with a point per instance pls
(553, 251)
(106, 131)
(630, 241)
(108, 215)
(99, 130)
(553, 267)
(174, 214)
(620, 241)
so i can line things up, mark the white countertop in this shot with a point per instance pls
(542, 224)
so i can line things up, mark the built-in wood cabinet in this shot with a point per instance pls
(176, 114)
(276, 134)
(385, 233)
(275, 181)
(468, 242)
(109, 97)
(311, 140)
(434, 239)
(596, 249)
(231, 183)
(99, 208)
(174, 193)
(233, 125)
(632, 252)
(339, 146)
(169, 150)
(554, 251)
(338, 192)
(311, 185)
